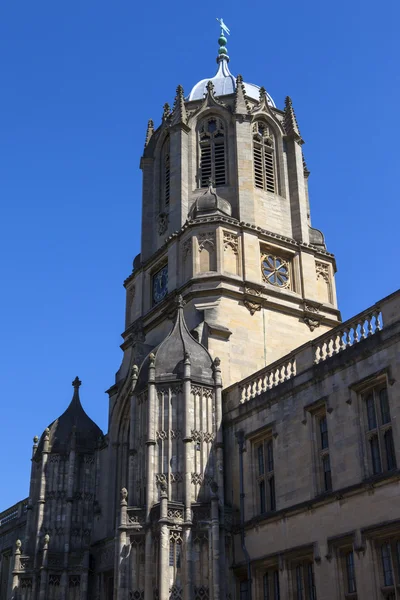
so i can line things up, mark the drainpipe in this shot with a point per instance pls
(240, 440)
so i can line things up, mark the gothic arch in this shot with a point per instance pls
(212, 135)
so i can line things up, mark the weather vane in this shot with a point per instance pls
(223, 26)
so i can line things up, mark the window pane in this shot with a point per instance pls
(375, 455)
(178, 555)
(266, 587)
(310, 580)
(390, 453)
(371, 412)
(299, 583)
(351, 578)
(398, 558)
(270, 456)
(272, 500)
(277, 593)
(384, 403)
(243, 590)
(387, 564)
(326, 465)
(260, 454)
(262, 496)
(323, 427)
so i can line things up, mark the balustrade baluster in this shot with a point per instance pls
(370, 328)
(378, 318)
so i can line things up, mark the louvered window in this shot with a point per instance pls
(212, 153)
(165, 175)
(264, 157)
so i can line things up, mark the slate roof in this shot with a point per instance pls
(73, 421)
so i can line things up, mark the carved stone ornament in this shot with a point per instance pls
(312, 323)
(252, 307)
(311, 308)
(252, 291)
(231, 239)
(163, 220)
(206, 238)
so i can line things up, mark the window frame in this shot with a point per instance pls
(203, 180)
(265, 150)
(377, 429)
(263, 453)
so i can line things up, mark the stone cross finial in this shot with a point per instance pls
(77, 383)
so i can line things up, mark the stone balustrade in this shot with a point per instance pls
(267, 378)
(347, 334)
(13, 513)
(341, 338)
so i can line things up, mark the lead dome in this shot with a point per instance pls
(223, 81)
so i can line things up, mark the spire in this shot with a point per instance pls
(241, 104)
(149, 132)
(179, 110)
(290, 121)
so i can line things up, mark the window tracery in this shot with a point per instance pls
(212, 152)
(263, 157)
(275, 270)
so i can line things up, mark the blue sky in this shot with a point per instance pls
(79, 80)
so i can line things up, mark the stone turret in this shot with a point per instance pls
(176, 449)
(61, 508)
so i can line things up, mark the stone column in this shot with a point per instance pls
(121, 574)
(163, 577)
(43, 574)
(132, 441)
(150, 476)
(187, 440)
(84, 577)
(219, 455)
(68, 516)
(215, 541)
(298, 197)
(42, 491)
(29, 511)
(17, 565)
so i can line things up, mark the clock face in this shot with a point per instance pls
(160, 284)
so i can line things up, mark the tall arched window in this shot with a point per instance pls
(264, 157)
(212, 152)
(165, 174)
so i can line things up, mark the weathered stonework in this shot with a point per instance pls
(282, 483)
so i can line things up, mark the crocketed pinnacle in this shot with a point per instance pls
(179, 114)
(241, 104)
(149, 132)
(290, 121)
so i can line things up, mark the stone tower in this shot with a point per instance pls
(226, 223)
(52, 562)
(225, 226)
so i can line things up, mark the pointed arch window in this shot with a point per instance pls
(165, 174)
(212, 152)
(264, 157)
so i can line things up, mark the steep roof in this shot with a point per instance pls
(74, 422)
(169, 356)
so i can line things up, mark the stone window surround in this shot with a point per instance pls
(206, 117)
(293, 260)
(262, 436)
(162, 262)
(313, 413)
(358, 392)
(338, 548)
